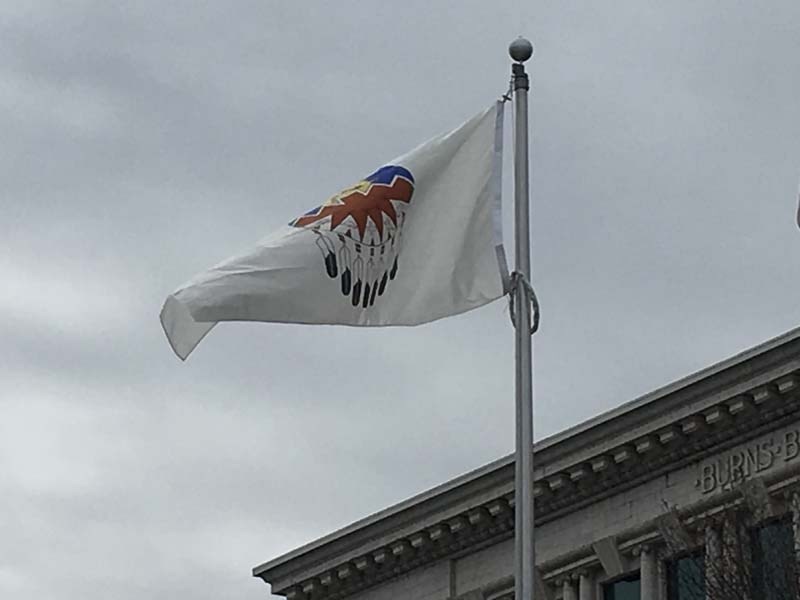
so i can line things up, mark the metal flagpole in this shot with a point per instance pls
(524, 548)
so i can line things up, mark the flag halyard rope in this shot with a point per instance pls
(509, 94)
(518, 279)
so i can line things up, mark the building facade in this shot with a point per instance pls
(690, 492)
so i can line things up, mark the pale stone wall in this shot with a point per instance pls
(618, 490)
(588, 533)
(431, 582)
(484, 567)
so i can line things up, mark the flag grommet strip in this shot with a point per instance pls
(518, 279)
(496, 184)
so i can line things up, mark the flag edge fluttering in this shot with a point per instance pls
(184, 331)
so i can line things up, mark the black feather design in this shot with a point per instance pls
(330, 265)
(346, 282)
(382, 286)
(374, 292)
(357, 293)
(365, 300)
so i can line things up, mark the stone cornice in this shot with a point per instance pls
(662, 431)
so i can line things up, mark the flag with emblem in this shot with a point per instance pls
(416, 240)
(797, 216)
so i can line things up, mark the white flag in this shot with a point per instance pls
(416, 241)
(797, 217)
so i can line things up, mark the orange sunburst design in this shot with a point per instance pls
(369, 200)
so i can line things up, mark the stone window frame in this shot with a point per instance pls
(633, 575)
(695, 552)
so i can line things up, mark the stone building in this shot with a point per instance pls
(682, 494)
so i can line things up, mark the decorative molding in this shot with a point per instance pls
(542, 589)
(756, 497)
(609, 556)
(737, 417)
(675, 534)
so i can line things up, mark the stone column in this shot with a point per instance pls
(713, 559)
(586, 586)
(735, 556)
(648, 570)
(794, 506)
(661, 562)
(569, 591)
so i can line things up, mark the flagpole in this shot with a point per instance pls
(521, 50)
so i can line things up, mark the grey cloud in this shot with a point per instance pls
(142, 144)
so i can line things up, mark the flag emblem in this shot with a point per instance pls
(338, 263)
(359, 232)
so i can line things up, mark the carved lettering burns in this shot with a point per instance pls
(729, 470)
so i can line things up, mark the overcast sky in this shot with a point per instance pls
(142, 142)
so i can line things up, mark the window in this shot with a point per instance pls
(628, 588)
(686, 578)
(774, 564)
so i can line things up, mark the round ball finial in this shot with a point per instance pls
(520, 49)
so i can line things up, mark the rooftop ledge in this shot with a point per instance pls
(687, 396)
